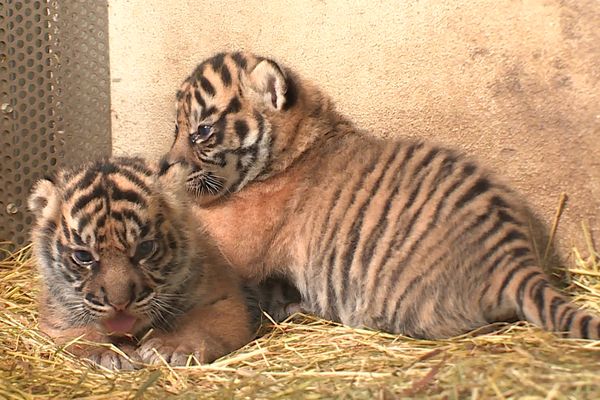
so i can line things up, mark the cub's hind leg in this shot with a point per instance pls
(279, 298)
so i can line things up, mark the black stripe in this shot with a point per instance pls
(86, 219)
(133, 216)
(138, 164)
(585, 327)
(425, 161)
(521, 288)
(330, 287)
(327, 222)
(65, 229)
(234, 106)
(562, 316)
(131, 196)
(481, 186)
(374, 237)
(226, 75)
(406, 261)
(537, 292)
(145, 229)
(506, 217)
(219, 128)
(199, 99)
(98, 192)
(468, 169)
(217, 61)
(101, 221)
(409, 253)
(441, 173)
(107, 168)
(357, 187)
(354, 236)
(554, 304)
(207, 112)
(434, 220)
(409, 288)
(241, 129)
(164, 166)
(511, 236)
(332, 242)
(522, 263)
(240, 60)
(507, 279)
(498, 202)
(567, 324)
(207, 86)
(83, 183)
(507, 239)
(77, 238)
(120, 167)
(121, 238)
(157, 280)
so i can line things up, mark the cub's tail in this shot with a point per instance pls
(541, 304)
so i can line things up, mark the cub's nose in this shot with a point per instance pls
(120, 298)
(120, 306)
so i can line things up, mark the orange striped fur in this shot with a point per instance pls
(119, 255)
(399, 235)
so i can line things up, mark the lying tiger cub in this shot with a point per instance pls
(119, 255)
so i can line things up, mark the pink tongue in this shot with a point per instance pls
(120, 323)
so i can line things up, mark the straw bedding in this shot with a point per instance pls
(309, 358)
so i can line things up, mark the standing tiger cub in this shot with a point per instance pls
(118, 255)
(397, 235)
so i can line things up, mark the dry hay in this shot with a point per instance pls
(309, 358)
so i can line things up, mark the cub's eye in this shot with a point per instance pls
(145, 249)
(83, 258)
(203, 133)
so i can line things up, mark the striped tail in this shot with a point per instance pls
(541, 304)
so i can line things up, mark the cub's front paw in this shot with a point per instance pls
(177, 352)
(110, 359)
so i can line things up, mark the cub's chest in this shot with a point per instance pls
(246, 224)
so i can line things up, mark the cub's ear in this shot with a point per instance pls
(44, 200)
(171, 179)
(268, 81)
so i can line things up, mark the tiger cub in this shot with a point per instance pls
(118, 255)
(398, 235)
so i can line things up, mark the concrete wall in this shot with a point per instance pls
(515, 83)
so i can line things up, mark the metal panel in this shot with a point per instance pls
(54, 97)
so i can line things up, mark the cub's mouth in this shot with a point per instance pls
(121, 323)
(204, 183)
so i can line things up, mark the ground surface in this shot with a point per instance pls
(310, 359)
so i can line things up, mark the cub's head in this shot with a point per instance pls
(235, 113)
(111, 243)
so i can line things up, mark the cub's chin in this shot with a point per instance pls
(205, 186)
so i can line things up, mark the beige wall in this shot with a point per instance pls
(516, 83)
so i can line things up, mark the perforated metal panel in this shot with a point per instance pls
(54, 97)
